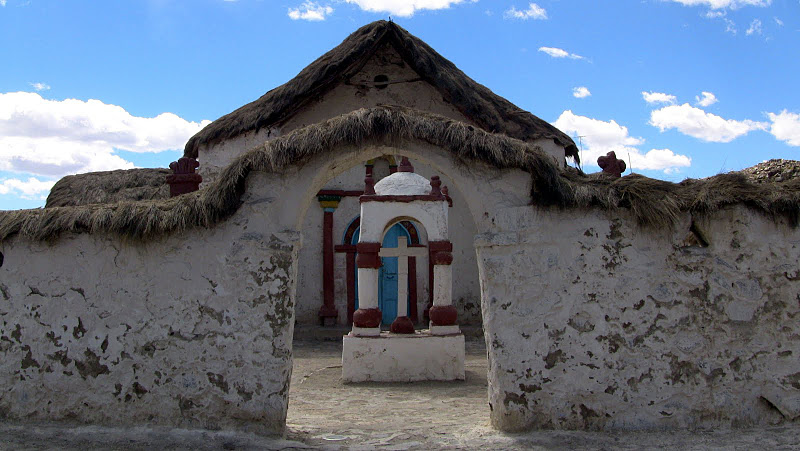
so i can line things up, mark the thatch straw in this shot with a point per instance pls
(652, 202)
(486, 109)
(109, 187)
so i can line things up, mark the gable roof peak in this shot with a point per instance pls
(475, 101)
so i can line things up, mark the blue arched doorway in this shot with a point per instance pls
(387, 284)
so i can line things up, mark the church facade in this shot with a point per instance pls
(606, 302)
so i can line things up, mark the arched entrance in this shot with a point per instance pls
(388, 277)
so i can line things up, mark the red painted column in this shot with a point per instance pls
(442, 315)
(426, 314)
(351, 285)
(328, 312)
(412, 288)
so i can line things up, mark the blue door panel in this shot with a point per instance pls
(387, 283)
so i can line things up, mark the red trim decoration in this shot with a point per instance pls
(441, 252)
(402, 325)
(400, 197)
(368, 255)
(370, 317)
(183, 179)
(443, 315)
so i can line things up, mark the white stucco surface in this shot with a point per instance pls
(404, 184)
(186, 331)
(378, 217)
(403, 358)
(594, 323)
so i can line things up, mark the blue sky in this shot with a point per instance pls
(678, 88)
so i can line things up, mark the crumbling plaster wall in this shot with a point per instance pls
(594, 323)
(187, 331)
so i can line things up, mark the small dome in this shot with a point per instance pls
(403, 184)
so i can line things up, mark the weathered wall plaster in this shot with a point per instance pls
(189, 331)
(592, 323)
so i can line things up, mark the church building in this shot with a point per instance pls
(171, 297)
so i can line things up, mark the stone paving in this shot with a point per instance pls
(324, 413)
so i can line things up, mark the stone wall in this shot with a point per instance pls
(188, 331)
(595, 323)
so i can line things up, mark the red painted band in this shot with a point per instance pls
(436, 246)
(368, 255)
(400, 198)
(442, 258)
(443, 315)
(367, 317)
(402, 325)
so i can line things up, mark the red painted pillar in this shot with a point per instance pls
(351, 285)
(412, 288)
(328, 313)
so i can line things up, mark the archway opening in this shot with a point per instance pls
(319, 402)
(330, 227)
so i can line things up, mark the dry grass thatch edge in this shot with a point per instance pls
(653, 203)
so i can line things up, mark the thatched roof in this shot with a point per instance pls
(109, 187)
(486, 109)
(652, 202)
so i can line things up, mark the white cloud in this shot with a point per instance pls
(310, 11)
(2, 2)
(55, 138)
(730, 26)
(699, 124)
(708, 99)
(755, 27)
(534, 11)
(580, 92)
(40, 86)
(31, 189)
(404, 8)
(786, 127)
(779, 22)
(724, 4)
(600, 137)
(658, 97)
(559, 53)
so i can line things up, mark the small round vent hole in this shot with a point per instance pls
(381, 81)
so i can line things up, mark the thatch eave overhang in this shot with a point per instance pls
(652, 203)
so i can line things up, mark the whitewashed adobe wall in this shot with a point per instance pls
(594, 323)
(189, 331)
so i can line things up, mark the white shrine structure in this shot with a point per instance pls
(403, 354)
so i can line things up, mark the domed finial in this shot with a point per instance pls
(405, 166)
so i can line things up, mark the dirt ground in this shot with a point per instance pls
(324, 413)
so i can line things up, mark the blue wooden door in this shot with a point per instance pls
(387, 282)
(387, 287)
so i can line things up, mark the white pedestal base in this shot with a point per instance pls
(445, 330)
(365, 331)
(403, 358)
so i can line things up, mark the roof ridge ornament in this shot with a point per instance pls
(405, 166)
